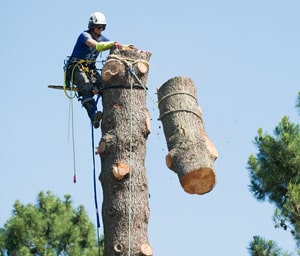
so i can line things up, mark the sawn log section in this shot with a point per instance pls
(191, 153)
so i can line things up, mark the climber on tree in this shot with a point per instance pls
(80, 67)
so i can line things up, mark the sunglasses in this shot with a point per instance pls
(102, 27)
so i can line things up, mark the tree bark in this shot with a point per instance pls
(122, 149)
(191, 153)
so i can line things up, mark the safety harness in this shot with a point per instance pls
(70, 65)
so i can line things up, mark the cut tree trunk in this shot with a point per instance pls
(191, 153)
(122, 148)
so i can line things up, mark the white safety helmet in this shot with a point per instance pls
(97, 18)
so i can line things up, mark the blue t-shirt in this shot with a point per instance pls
(82, 51)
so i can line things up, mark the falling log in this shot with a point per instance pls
(122, 149)
(191, 153)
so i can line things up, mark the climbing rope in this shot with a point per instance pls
(71, 88)
(94, 176)
(73, 139)
(145, 88)
(130, 164)
(71, 96)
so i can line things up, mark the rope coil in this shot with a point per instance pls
(179, 110)
(175, 93)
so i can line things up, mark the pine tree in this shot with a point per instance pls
(275, 173)
(261, 247)
(51, 227)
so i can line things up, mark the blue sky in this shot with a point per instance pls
(243, 57)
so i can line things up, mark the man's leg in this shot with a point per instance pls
(85, 91)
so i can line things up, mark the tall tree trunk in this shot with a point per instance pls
(122, 148)
(191, 153)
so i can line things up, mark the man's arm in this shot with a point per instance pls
(100, 46)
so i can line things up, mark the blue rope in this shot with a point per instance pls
(94, 175)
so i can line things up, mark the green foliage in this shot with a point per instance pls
(2, 243)
(261, 247)
(51, 227)
(277, 164)
(275, 173)
(298, 102)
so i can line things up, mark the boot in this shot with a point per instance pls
(97, 118)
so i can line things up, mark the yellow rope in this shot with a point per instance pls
(65, 87)
(72, 88)
(71, 96)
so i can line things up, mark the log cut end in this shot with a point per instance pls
(199, 181)
(111, 69)
(146, 250)
(119, 170)
(148, 122)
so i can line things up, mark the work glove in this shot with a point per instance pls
(118, 45)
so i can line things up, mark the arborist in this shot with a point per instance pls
(80, 67)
